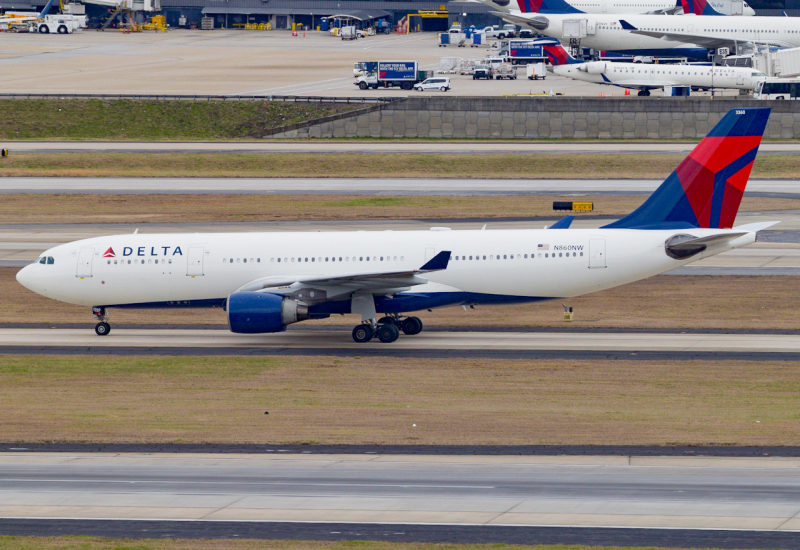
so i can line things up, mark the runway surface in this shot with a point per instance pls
(557, 491)
(356, 186)
(448, 344)
(378, 146)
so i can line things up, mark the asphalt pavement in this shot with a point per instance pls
(557, 491)
(469, 147)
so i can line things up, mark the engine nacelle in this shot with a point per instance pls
(255, 312)
(596, 67)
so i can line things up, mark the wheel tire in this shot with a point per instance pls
(411, 326)
(362, 333)
(444, 89)
(362, 85)
(62, 30)
(102, 329)
(387, 321)
(44, 29)
(388, 333)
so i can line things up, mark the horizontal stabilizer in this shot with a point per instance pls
(755, 227)
(563, 223)
(693, 243)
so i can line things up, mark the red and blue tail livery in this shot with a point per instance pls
(707, 187)
(546, 6)
(698, 7)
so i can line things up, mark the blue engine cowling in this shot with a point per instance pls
(255, 313)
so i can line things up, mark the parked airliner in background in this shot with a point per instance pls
(648, 76)
(266, 281)
(663, 7)
(654, 35)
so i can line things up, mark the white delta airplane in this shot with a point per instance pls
(664, 7)
(647, 76)
(690, 36)
(266, 281)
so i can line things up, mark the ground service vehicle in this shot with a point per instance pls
(61, 24)
(266, 281)
(364, 67)
(482, 71)
(505, 70)
(348, 33)
(441, 83)
(536, 71)
(388, 74)
(522, 52)
(778, 88)
(510, 31)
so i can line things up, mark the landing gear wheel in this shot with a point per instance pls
(387, 321)
(363, 333)
(643, 93)
(411, 326)
(388, 333)
(102, 329)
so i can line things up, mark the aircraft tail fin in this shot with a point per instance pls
(546, 6)
(700, 7)
(556, 53)
(46, 9)
(706, 188)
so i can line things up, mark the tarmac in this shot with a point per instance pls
(761, 494)
(416, 147)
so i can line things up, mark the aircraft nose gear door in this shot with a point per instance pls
(597, 253)
(195, 268)
(85, 263)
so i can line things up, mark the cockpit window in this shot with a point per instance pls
(42, 260)
(50, 260)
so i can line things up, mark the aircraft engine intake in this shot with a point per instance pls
(256, 313)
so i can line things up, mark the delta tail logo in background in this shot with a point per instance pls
(698, 7)
(707, 187)
(546, 6)
(109, 253)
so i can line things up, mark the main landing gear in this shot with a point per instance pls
(102, 328)
(387, 329)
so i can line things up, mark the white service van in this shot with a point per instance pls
(778, 88)
(437, 83)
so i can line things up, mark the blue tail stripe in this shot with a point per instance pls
(753, 123)
(557, 6)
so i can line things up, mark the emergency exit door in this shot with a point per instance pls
(85, 263)
(195, 267)
(597, 253)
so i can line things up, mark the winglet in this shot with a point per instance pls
(627, 26)
(438, 262)
(563, 223)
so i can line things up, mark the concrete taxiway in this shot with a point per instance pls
(356, 186)
(363, 146)
(653, 492)
(333, 341)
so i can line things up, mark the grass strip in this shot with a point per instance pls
(121, 208)
(98, 543)
(125, 119)
(664, 302)
(327, 400)
(361, 165)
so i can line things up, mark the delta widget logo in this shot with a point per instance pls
(109, 253)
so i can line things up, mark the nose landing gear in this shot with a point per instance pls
(102, 328)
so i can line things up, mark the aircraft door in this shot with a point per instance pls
(195, 267)
(430, 252)
(597, 253)
(85, 263)
(740, 78)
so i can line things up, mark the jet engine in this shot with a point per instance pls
(596, 67)
(255, 312)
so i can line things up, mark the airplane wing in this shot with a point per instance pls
(702, 41)
(538, 23)
(353, 281)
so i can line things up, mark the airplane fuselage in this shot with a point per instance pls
(648, 75)
(605, 32)
(504, 266)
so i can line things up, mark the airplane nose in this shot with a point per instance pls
(25, 277)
